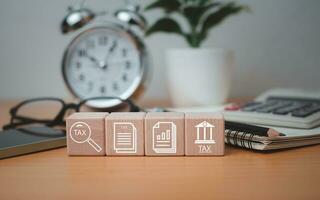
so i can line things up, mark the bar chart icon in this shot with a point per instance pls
(164, 137)
(124, 137)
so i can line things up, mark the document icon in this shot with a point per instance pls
(124, 137)
(164, 137)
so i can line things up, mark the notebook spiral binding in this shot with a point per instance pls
(237, 138)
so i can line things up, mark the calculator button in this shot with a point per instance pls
(252, 103)
(273, 107)
(306, 111)
(282, 111)
(252, 106)
(259, 106)
(289, 109)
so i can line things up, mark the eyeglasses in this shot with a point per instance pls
(25, 113)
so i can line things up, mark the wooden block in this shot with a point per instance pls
(164, 134)
(125, 133)
(204, 134)
(85, 134)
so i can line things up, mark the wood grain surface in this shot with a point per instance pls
(240, 174)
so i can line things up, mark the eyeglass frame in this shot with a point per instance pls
(58, 120)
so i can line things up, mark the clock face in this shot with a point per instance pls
(103, 62)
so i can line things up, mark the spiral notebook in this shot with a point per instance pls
(267, 137)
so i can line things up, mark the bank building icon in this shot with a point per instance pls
(204, 133)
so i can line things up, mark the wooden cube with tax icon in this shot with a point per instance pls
(86, 134)
(164, 134)
(125, 134)
(204, 134)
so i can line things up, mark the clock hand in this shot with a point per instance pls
(98, 63)
(114, 45)
(111, 50)
(121, 63)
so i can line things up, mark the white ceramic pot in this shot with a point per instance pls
(199, 77)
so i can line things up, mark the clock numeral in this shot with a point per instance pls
(124, 77)
(90, 44)
(78, 65)
(82, 77)
(128, 65)
(102, 89)
(113, 46)
(103, 40)
(115, 86)
(82, 52)
(124, 52)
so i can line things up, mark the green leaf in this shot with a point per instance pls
(189, 39)
(204, 2)
(196, 2)
(194, 13)
(220, 15)
(192, 40)
(167, 5)
(167, 25)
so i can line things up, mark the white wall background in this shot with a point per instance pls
(277, 45)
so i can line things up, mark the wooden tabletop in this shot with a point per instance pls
(240, 174)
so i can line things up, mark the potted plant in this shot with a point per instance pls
(196, 76)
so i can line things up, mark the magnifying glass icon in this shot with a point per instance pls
(80, 133)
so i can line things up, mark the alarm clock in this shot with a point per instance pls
(106, 58)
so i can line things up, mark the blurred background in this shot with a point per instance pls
(277, 45)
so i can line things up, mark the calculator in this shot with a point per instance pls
(279, 107)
